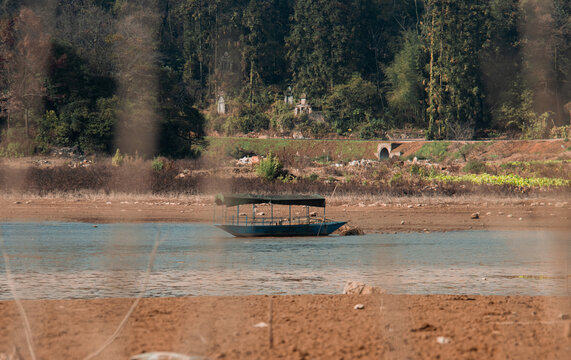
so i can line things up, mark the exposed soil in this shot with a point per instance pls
(302, 327)
(372, 215)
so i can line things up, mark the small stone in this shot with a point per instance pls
(520, 219)
(484, 279)
(410, 206)
(94, 226)
(475, 216)
(359, 307)
(261, 325)
(17, 202)
(402, 222)
(108, 203)
(533, 313)
(510, 215)
(500, 212)
(443, 340)
(564, 316)
(488, 213)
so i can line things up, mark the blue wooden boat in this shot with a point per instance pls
(240, 224)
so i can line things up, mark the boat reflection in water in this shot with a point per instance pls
(260, 224)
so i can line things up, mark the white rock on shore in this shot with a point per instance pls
(358, 288)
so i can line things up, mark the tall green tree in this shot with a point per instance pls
(454, 37)
(406, 96)
(501, 63)
(319, 45)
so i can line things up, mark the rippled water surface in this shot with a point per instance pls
(77, 260)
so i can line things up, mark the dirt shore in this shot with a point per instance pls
(306, 326)
(375, 214)
(302, 327)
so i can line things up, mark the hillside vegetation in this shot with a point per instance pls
(149, 77)
(502, 168)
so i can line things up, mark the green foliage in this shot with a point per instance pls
(181, 125)
(560, 132)
(434, 151)
(157, 164)
(282, 118)
(15, 143)
(287, 178)
(453, 68)
(316, 26)
(13, 150)
(237, 152)
(417, 170)
(454, 40)
(249, 120)
(352, 104)
(396, 179)
(312, 177)
(513, 180)
(405, 78)
(269, 167)
(519, 114)
(475, 167)
(117, 159)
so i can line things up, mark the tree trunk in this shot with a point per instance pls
(26, 123)
(431, 84)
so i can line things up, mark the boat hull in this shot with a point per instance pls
(321, 229)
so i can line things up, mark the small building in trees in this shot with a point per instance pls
(302, 107)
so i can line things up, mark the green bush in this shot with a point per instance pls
(248, 121)
(282, 117)
(157, 164)
(237, 152)
(475, 167)
(313, 177)
(13, 150)
(560, 132)
(395, 179)
(417, 170)
(269, 168)
(117, 159)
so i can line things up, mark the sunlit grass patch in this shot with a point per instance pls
(510, 179)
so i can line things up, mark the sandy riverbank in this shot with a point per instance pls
(303, 327)
(374, 214)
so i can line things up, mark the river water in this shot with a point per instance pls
(79, 260)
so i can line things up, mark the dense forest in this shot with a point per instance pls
(154, 76)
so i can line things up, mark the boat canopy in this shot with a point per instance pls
(240, 199)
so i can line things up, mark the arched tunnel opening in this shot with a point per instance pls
(384, 153)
